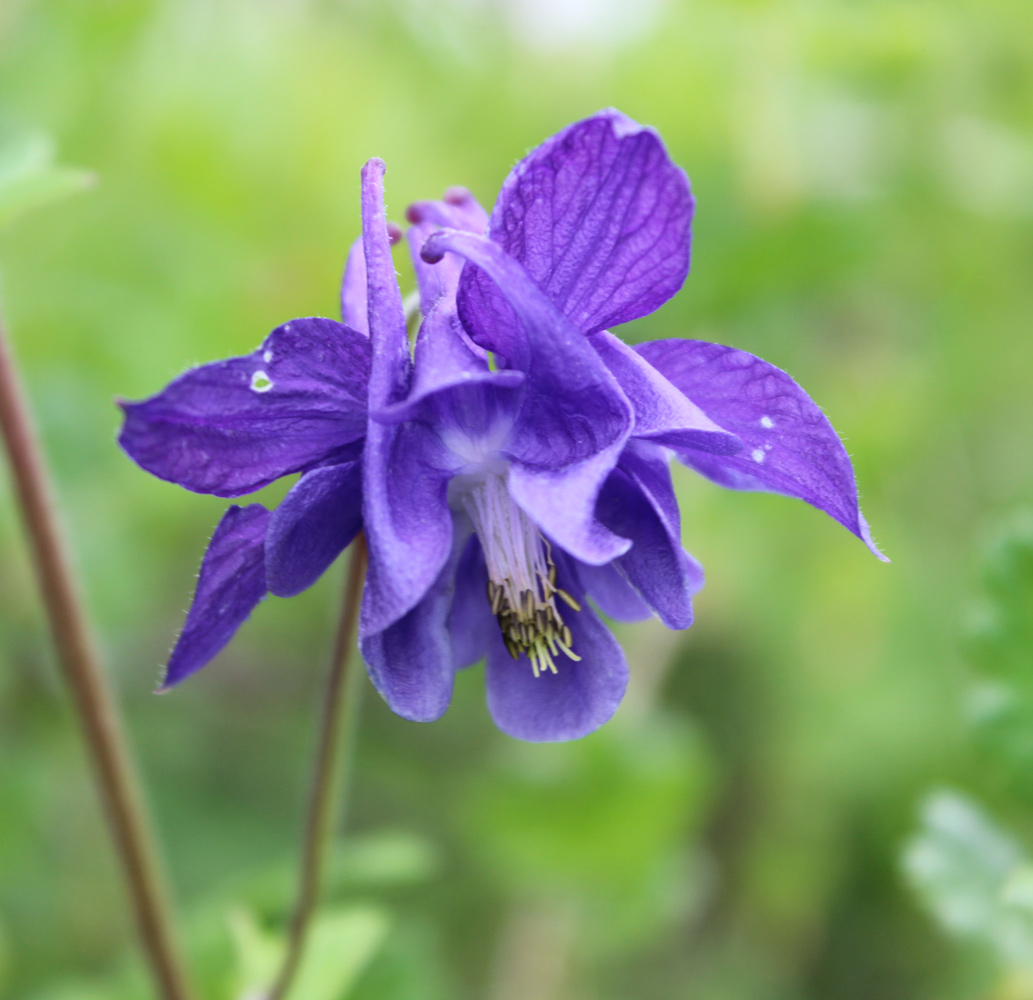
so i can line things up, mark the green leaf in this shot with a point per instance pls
(974, 878)
(341, 944)
(29, 178)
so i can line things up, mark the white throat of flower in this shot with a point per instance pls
(522, 587)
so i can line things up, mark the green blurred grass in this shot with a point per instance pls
(864, 175)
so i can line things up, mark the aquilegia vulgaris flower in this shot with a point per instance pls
(512, 470)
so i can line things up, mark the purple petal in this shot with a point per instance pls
(405, 473)
(663, 414)
(571, 703)
(233, 426)
(458, 210)
(790, 446)
(471, 621)
(231, 583)
(411, 662)
(436, 282)
(445, 359)
(407, 518)
(612, 593)
(315, 522)
(600, 217)
(563, 505)
(635, 502)
(572, 407)
(354, 310)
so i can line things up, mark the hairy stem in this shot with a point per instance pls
(333, 763)
(94, 703)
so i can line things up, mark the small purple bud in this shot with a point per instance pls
(413, 214)
(458, 195)
(431, 252)
(394, 233)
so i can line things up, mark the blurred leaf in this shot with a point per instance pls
(604, 825)
(593, 812)
(29, 177)
(999, 642)
(341, 944)
(974, 878)
(371, 861)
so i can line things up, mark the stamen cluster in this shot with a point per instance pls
(522, 588)
(530, 621)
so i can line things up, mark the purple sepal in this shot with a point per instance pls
(231, 583)
(637, 501)
(612, 593)
(233, 426)
(314, 523)
(354, 309)
(601, 218)
(571, 703)
(663, 414)
(789, 445)
(471, 621)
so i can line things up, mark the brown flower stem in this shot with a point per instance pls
(333, 761)
(93, 701)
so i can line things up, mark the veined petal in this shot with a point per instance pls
(790, 446)
(233, 426)
(572, 411)
(411, 662)
(663, 414)
(635, 502)
(471, 621)
(230, 584)
(314, 523)
(354, 309)
(568, 704)
(601, 218)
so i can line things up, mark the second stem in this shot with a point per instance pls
(333, 757)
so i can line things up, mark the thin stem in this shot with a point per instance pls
(92, 698)
(333, 764)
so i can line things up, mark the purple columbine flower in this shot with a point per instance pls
(520, 465)
(514, 467)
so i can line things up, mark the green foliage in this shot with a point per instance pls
(341, 945)
(29, 178)
(976, 879)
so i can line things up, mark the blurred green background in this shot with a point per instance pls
(864, 175)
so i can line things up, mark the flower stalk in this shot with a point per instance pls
(331, 773)
(93, 701)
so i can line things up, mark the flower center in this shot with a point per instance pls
(522, 587)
